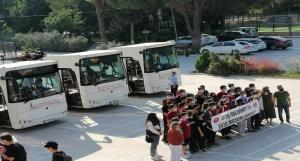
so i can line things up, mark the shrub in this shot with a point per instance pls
(234, 64)
(108, 45)
(51, 41)
(217, 66)
(203, 62)
(261, 66)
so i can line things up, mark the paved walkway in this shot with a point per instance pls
(116, 133)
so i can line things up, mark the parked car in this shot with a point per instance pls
(183, 42)
(251, 32)
(228, 47)
(208, 39)
(274, 43)
(260, 45)
(231, 35)
(186, 41)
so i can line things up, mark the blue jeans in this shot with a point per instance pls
(286, 110)
(154, 144)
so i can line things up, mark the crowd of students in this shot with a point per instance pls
(187, 117)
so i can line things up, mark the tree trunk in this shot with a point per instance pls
(99, 5)
(197, 20)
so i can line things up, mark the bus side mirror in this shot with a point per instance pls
(77, 64)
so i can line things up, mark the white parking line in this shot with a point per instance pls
(234, 155)
(244, 138)
(271, 145)
(249, 136)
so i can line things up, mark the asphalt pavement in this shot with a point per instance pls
(116, 133)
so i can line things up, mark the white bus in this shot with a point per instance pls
(93, 78)
(149, 66)
(31, 94)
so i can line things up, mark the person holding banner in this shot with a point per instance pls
(211, 135)
(242, 125)
(268, 102)
(261, 107)
(224, 106)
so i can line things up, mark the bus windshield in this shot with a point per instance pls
(101, 69)
(158, 59)
(33, 83)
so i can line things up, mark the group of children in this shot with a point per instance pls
(187, 117)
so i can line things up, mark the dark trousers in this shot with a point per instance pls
(256, 120)
(286, 110)
(226, 131)
(174, 89)
(201, 142)
(165, 135)
(211, 137)
(193, 143)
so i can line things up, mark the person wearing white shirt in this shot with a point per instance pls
(174, 83)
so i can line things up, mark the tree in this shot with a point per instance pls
(23, 15)
(98, 4)
(137, 14)
(64, 20)
(192, 11)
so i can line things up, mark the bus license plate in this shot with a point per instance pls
(115, 102)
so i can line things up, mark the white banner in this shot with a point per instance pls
(234, 115)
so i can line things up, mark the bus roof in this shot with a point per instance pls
(25, 65)
(86, 54)
(148, 45)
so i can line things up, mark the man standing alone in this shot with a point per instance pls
(283, 102)
(174, 83)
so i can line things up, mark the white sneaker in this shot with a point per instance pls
(155, 158)
(158, 156)
(186, 156)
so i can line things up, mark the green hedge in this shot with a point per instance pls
(230, 64)
(51, 41)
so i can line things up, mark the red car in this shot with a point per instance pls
(274, 43)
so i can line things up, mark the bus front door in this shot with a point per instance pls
(70, 83)
(135, 76)
(4, 117)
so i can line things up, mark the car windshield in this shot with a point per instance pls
(254, 41)
(243, 43)
(158, 59)
(34, 83)
(101, 69)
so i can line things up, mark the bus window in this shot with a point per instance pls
(157, 59)
(101, 69)
(32, 85)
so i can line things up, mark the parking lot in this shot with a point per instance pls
(283, 57)
(116, 133)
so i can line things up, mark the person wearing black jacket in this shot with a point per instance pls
(57, 155)
(14, 151)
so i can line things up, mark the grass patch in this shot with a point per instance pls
(290, 74)
(280, 29)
